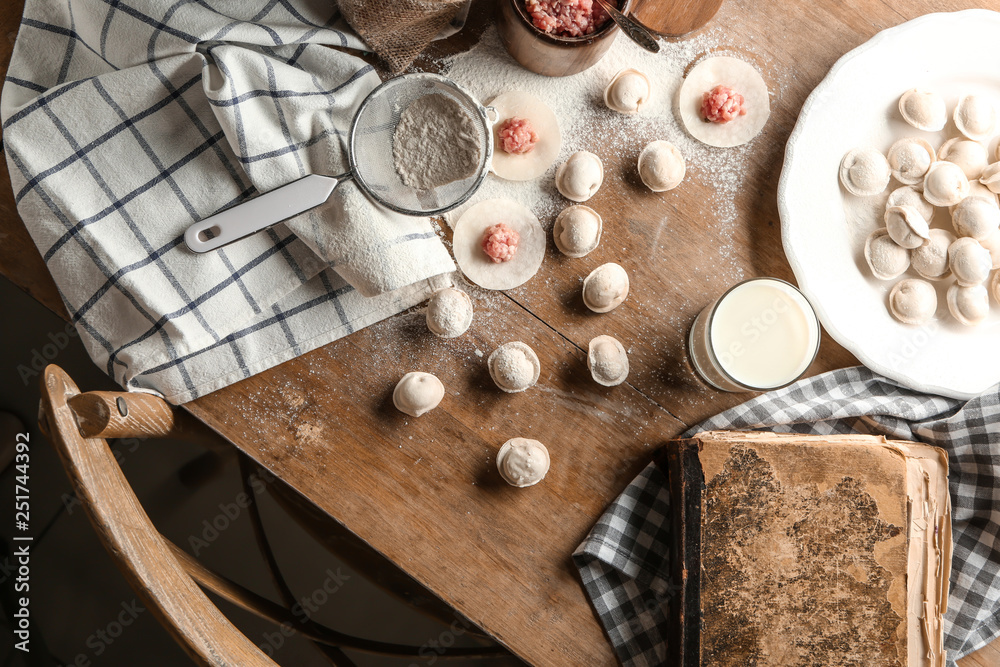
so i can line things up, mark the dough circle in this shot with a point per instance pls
(467, 244)
(741, 77)
(519, 104)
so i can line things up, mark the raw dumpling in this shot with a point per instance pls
(449, 313)
(607, 361)
(977, 189)
(970, 262)
(913, 301)
(523, 462)
(923, 109)
(931, 260)
(741, 78)
(580, 177)
(885, 257)
(661, 166)
(477, 265)
(975, 117)
(995, 285)
(605, 288)
(628, 91)
(906, 226)
(514, 367)
(971, 156)
(991, 177)
(992, 244)
(577, 230)
(945, 184)
(909, 159)
(526, 166)
(417, 393)
(864, 172)
(910, 196)
(970, 305)
(975, 217)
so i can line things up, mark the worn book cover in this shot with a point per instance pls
(807, 550)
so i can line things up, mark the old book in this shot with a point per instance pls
(807, 550)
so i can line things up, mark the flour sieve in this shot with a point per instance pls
(371, 166)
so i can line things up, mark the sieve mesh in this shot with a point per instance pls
(371, 145)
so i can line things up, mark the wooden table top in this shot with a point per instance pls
(425, 492)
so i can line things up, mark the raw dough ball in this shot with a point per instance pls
(931, 260)
(605, 288)
(864, 172)
(945, 184)
(913, 301)
(607, 361)
(477, 265)
(577, 230)
(906, 226)
(992, 244)
(743, 79)
(516, 103)
(971, 156)
(910, 196)
(975, 217)
(970, 262)
(628, 91)
(885, 257)
(514, 367)
(991, 177)
(923, 109)
(579, 177)
(417, 393)
(969, 305)
(661, 166)
(909, 159)
(523, 462)
(975, 117)
(449, 313)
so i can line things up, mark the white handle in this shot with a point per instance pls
(260, 212)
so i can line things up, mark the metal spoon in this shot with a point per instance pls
(637, 32)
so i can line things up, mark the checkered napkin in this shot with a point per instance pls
(623, 562)
(125, 122)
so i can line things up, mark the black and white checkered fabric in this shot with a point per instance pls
(124, 122)
(624, 565)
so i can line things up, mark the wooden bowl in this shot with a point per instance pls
(547, 54)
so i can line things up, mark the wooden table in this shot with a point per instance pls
(424, 492)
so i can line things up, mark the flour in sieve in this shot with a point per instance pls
(435, 143)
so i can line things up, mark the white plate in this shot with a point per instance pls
(823, 228)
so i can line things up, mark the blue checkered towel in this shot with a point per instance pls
(124, 122)
(624, 561)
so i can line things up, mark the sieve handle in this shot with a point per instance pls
(261, 212)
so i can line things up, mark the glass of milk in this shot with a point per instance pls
(761, 334)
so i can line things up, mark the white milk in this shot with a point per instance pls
(761, 334)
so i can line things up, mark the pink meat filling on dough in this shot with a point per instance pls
(517, 136)
(500, 242)
(722, 104)
(567, 18)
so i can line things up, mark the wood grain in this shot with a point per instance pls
(424, 492)
(676, 18)
(134, 544)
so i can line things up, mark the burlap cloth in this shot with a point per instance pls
(397, 30)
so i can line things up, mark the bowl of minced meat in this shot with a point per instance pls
(557, 37)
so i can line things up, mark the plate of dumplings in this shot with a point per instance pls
(889, 203)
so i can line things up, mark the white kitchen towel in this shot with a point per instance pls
(125, 122)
